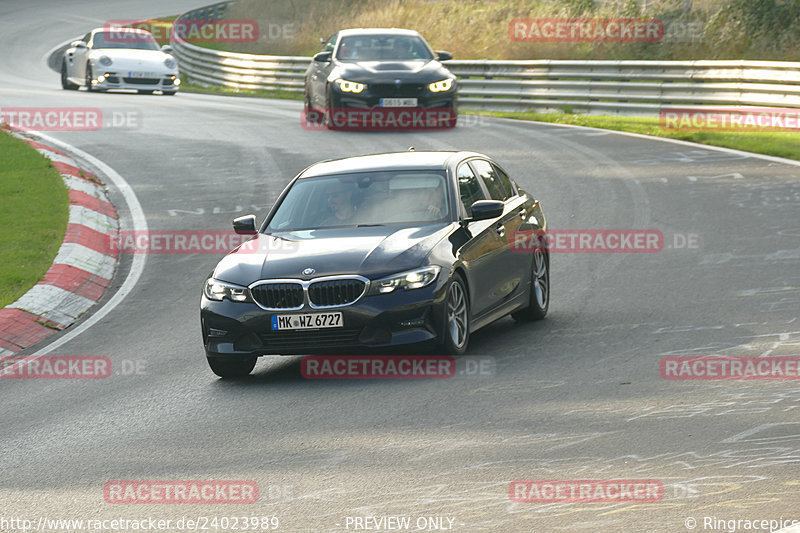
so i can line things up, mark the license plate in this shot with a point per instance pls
(398, 102)
(307, 321)
(142, 75)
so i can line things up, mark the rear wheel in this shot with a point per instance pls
(232, 367)
(65, 83)
(456, 326)
(540, 289)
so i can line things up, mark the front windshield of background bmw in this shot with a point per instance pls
(383, 47)
(364, 199)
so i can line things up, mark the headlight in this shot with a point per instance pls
(219, 290)
(170, 63)
(350, 86)
(441, 86)
(413, 279)
(105, 61)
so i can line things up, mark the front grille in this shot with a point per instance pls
(335, 292)
(279, 295)
(391, 90)
(142, 81)
(311, 340)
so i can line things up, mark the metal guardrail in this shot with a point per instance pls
(608, 87)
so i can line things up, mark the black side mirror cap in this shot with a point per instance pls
(444, 56)
(323, 57)
(245, 225)
(486, 209)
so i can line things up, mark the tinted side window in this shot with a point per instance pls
(490, 178)
(330, 44)
(505, 181)
(469, 188)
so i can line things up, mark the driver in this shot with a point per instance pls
(343, 207)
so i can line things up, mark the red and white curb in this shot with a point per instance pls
(82, 269)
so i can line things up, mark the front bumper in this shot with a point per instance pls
(372, 96)
(111, 79)
(401, 318)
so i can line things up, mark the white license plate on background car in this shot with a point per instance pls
(142, 75)
(307, 321)
(398, 102)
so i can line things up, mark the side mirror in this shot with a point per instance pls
(80, 44)
(323, 57)
(245, 225)
(486, 209)
(444, 56)
(167, 49)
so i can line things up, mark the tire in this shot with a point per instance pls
(455, 331)
(312, 117)
(145, 91)
(89, 77)
(327, 115)
(231, 367)
(540, 289)
(169, 93)
(65, 83)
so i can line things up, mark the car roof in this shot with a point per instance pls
(439, 160)
(377, 31)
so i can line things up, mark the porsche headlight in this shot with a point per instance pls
(441, 86)
(412, 279)
(220, 290)
(105, 61)
(170, 63)
(350, 86)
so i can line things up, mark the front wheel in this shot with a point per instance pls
(232, 367)
(540, 289)
(65, 83)
(89, 77)
(168, 93)
(144, 91)
(456, 326)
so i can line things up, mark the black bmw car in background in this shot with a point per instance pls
(375, 69)
(376, 251)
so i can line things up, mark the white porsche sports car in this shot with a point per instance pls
(119, 58)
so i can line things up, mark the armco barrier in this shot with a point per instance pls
(598, 87)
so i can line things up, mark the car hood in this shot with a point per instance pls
(126, 58)
(373, 252)
(377, 71)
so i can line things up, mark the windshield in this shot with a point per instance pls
(124, 39)
(364, 199)
(383, 47)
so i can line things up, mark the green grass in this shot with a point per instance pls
(780, 144)
(34, 208)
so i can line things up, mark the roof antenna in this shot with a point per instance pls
(411, 149)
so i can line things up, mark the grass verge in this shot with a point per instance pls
(779, 144)
(34, 209)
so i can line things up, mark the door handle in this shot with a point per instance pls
(501, 231)
(522, 214)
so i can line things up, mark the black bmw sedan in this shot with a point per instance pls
(378, 70)
(376, 251)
